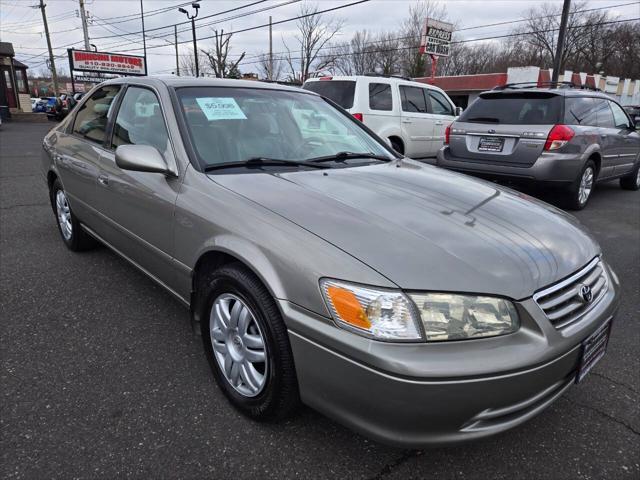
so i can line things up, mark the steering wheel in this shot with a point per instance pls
(308, 142)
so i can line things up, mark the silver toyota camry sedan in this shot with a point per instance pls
(415, 305)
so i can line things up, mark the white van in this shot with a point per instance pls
(413, 116)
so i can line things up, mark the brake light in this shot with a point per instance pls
(326, 78)
(558, 137)
(447, 134)
(358, 116)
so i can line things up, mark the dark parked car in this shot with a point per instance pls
(61, 107)
(564, 137)
(414, 304)
(42, 103)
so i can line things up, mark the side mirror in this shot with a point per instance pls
(637, 122)
(459, 111)
(140, 158)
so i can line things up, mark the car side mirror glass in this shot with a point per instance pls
(637, 122)
(459, 111)
(140, 158)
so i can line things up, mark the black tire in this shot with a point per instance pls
(631, 181)
(279, 396)
(78, 240)
(572, 197)
(396, 145)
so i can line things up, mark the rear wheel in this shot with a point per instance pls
(247, 344)
(579, 192)
(73, 236)
(397, 145)
(631, 181)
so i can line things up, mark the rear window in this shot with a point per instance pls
(340, 91)
(514, 109)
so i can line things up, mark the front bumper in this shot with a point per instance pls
(418, 395)
(550, 167)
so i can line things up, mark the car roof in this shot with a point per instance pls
(565, 92)
(178, 82)
(375, 79)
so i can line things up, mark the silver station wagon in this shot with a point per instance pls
(416, 305)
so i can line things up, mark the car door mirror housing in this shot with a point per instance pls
(636, 120)
(459, 111)
(141, 158)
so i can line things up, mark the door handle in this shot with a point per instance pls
(103, 180)
(406, 120)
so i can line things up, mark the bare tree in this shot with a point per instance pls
(315, 32)
(358, 56)
(218, 56)
(264, 67)
(188, 64)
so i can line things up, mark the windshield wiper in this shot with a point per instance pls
(342, 156)
(482, 119)
(261, 162)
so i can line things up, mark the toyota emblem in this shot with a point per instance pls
(585, 293)
(491, 130)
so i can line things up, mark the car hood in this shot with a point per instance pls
(425, 228)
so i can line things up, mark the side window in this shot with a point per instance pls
(619, 117)
(413, 99)
(604, 115)
(380, 96)
(439, 104)
(580, 111)
(140, 121)
(94, 114)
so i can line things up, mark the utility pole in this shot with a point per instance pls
(54, 75)
(85, 28)
(144, 39)
(196, 7)
(175, 37)
(270, 49)
(557, 63)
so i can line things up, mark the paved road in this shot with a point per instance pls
(102, 377)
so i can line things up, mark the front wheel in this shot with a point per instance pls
(247, 344)
(631, 181)
(579, 192)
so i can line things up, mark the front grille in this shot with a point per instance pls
(563, 304)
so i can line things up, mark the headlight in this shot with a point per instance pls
(458, 317)
(381, 314)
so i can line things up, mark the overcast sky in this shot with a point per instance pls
(22, 25)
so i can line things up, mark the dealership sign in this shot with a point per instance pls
(104, 62)
(436, 38)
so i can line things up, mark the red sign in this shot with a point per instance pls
(103, 62)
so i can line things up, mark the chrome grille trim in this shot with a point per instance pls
(561, 302)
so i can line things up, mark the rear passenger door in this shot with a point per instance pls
(416, 122)
(139, 206)
(78, 151)
(383, 117)
(609, 140)
(442, 113)
(627, 139)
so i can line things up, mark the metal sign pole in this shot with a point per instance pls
(434, 65)
(73, 83)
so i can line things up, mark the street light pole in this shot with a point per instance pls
(196, 7)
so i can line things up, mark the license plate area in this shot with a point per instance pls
(593, 349)
(490, 144)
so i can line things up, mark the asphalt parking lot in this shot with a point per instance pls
(102, 377)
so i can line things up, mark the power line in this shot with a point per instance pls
(495, 37)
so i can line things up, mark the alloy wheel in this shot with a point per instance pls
(64, 215)
(586, 185)
(238, 345)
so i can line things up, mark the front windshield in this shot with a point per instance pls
(238, 124)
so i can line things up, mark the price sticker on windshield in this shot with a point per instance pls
(220, 108)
